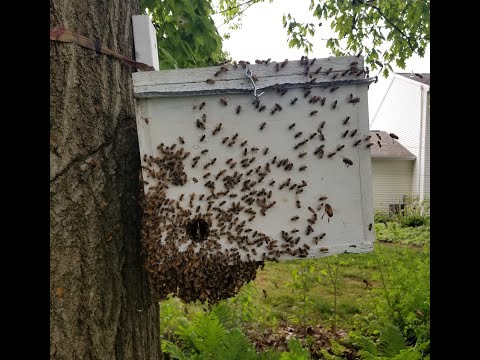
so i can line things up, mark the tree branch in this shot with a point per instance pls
(392, 24)
(239, 5)
(250, 3)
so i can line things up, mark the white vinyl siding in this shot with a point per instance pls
(391, 180)
(427, 151)
(400, 112)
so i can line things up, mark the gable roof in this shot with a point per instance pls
(424, 80)
(391, 149)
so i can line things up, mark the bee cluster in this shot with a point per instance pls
(212, 191)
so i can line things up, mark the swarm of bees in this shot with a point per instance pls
(184, 238)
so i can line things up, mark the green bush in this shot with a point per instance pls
(382, 217)
(399, 311)
(413, 220)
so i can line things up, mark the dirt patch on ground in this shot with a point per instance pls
(314, 338)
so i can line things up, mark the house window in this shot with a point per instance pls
(395, 208)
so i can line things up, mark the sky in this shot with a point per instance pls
(263, 36)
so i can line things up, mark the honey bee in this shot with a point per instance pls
(367, 138)
(195, 180)
(318, 149)
(378, 63)
(356, 142)
(309, 230)
(334, 88)
(298, 134)
(201, 105)
(321, 136)
(302, 168)
(299, 205)
(278, 107)
(261, 108)
(328, 211)
(340, 147)
(393, 136)
(293, 101)
(206, 175)
(307, 93)
(379, 144)
(225, 140)
(346, 120)
(243, 143)
(352, 134)
(272, 182)
(181, 140)
(238, 109)
(301, 155)
(370, 227)
(328, 71)
(223, 102)
(345, 72)
(354, 100)
(348, 162)
(262, 125)
(369, 145)
(334, 105)
(210, 81)
(200, 125)
(295, 218)
(313, 112)
(277, 67)
(265, 151)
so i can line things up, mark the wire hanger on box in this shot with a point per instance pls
(248, 73)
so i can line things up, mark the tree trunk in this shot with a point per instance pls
(101, 305)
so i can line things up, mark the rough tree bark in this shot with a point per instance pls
(101, 306)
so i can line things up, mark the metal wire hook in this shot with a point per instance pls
(248, 73)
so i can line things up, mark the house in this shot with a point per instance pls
(405, 111)
(392, 172)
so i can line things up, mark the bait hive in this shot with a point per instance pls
(232, 179)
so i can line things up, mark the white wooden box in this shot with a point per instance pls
(169, 104)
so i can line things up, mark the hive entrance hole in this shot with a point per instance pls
(197, 230)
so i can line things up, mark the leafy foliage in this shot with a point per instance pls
(186, 34)
(209, 336)
(297, 352)
(400, 309)
(388, 31)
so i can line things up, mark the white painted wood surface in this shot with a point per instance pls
(165, 111)
(145, 40)
(193, 81)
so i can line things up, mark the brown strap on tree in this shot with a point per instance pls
(64, 35)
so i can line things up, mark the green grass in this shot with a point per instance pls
(352, 291)
(397, 271)
(394, 233)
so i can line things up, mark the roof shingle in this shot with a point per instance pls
(425, 79)
(391, 149)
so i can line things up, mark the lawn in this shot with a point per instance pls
(377, 294)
